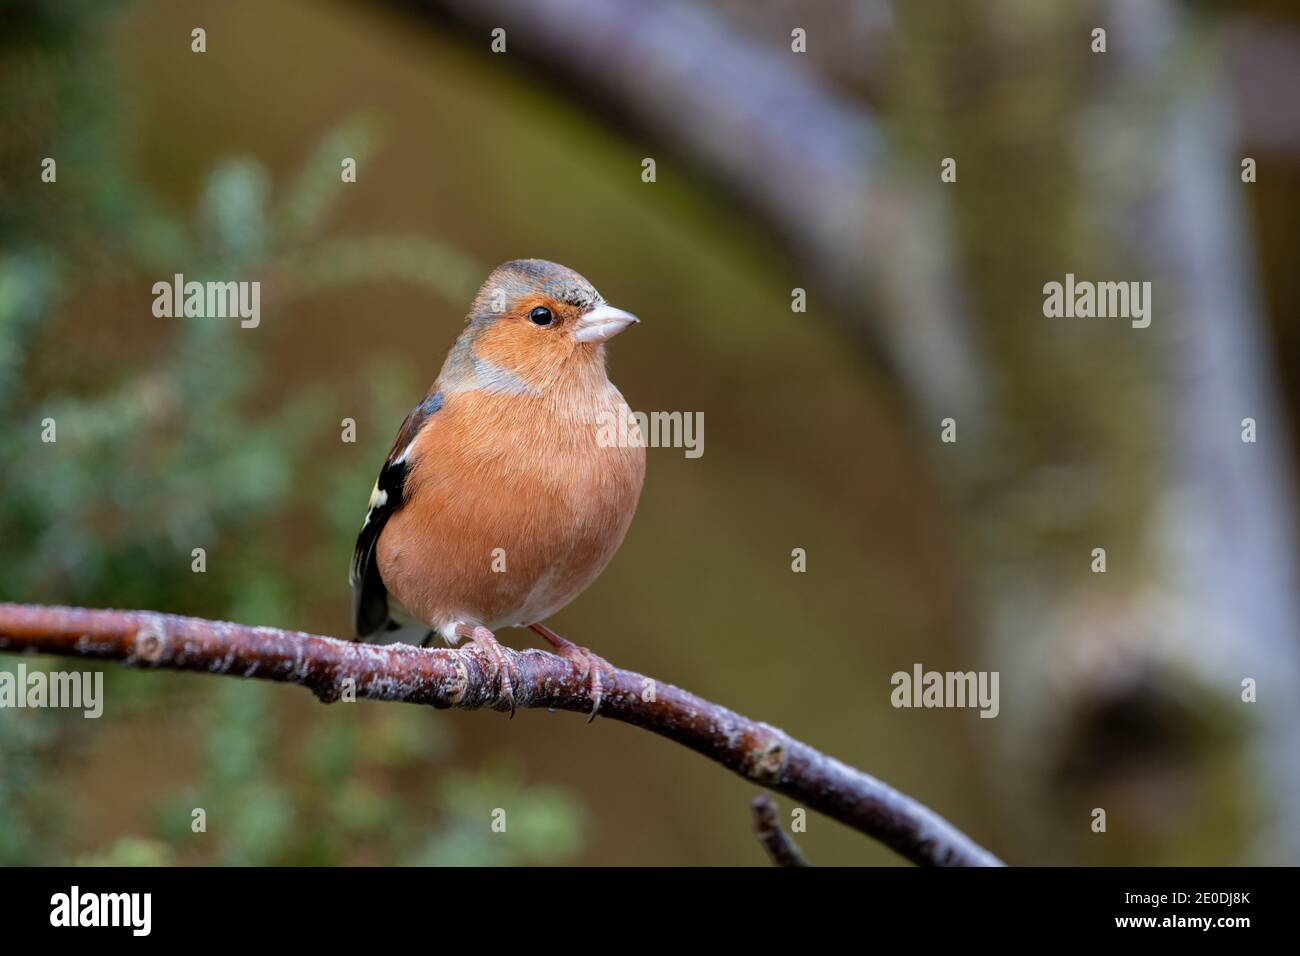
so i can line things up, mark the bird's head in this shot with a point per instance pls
(532, 323)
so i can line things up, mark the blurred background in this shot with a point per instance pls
(776, 169)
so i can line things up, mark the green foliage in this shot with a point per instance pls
(344, 796)
(30, 800)
(541, 823)
(28, 285)
(130, 851)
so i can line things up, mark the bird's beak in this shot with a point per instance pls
(603, 323)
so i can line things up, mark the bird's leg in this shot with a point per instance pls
(593, 665)
(503, 668)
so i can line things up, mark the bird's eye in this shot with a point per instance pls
(541, 316)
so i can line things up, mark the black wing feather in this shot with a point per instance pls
(369, 595)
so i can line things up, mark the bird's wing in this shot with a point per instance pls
(369, 596)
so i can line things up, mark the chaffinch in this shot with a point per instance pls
(498, 503)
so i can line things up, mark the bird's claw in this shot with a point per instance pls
(504, 671)
(595, 669)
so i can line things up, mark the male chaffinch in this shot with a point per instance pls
(498, 504)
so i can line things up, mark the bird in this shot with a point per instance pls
(502, 498)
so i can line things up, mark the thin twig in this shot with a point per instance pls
(335, 669)
(779, 845)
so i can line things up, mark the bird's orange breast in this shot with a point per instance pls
(514, 507)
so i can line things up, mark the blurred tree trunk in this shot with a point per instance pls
(1123, 689)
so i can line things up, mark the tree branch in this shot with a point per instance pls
(463, 678)
(779, 846)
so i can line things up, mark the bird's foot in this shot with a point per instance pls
(595, 669)
(504, 671)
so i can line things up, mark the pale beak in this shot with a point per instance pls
(603, 323)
